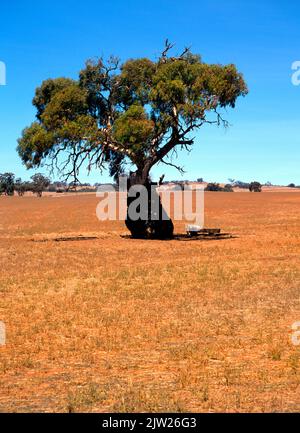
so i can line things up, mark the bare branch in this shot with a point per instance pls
(161, 179)
(171, 164)
(168, 47)
(185, 51)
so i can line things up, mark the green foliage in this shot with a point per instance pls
(39, 183)
(47, 91)
(7, 184)
(135, 81)
(228, 188)
(134, 128)
(255, 187)
(35, 144)
(138, 111)
(20, 186)
(66, 106)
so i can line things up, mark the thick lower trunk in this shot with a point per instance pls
(153, 223)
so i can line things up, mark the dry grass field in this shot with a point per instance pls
(114, 324)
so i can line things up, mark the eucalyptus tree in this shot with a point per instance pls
(139, 112)
(39, 184)
(7, 184)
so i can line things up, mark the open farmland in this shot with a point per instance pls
(115, 324)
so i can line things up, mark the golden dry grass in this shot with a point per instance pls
(114, 324)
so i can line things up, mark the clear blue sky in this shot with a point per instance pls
(42, 39)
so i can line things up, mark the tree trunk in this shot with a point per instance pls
(155, 224)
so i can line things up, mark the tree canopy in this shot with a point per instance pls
(7, 183)
(139, 111)
(39, 183)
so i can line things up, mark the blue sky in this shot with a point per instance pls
(46, 39)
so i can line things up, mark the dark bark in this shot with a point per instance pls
(154, 225)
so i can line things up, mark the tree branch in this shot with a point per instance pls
(171, 164)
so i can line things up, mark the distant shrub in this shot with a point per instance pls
(213, 187)
(292, 185)
(255, 187)
(20, 187)
(217, 187)
(228, 188)
(39, 184)
(7, 183)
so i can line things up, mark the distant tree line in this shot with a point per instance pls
(256, 186)
(217, 187)
(252, 187)
(9, 184)
(38, 183)
(292, 185)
